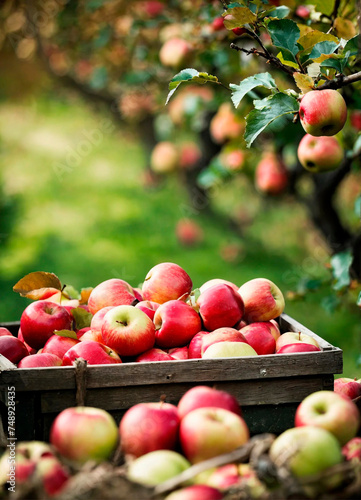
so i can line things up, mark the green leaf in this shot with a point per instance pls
(359, 300)
(189, 75)
(284, 34)
(277, 12)
(358, 206)
(248, 84)
(81, 317)
(324, 6)
(70, 334)
(330, 303)
(341, 263)
(99, 78)
(236, 17)
(353, 46)
(323, 48)
(357, 146)
(314, 37)
(287, 58)
(266, 112)
(103, 37)
(336, 62)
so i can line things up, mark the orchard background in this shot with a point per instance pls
(86, 193)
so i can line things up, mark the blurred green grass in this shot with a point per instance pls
(96, 220)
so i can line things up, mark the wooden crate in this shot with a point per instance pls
(269, 388)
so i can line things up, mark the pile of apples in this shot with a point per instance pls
(163, 321)
(158, 441)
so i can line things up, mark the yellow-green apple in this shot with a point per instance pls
(176, 323)
(224, 334)
(320, 154)
(156, 467)
(263, 300)
(40, 360)
(154, 354)
(84, 433)
(347, 386)
(166, 281)
(189, 155)
(195, 345)
(93, 352)
(179, 353)
(226, 124)
(188, 232)
(60, 298)
(195, 492)
(217, 281)
(220, 306)
(52, 475)
(297, 347)
(147, 427)
(224, 477)
(331, 411)
(352, 449)
(207, 432)
(259, 336)
(164, 158)
(229, 350)
(294, 338)
(271, 174)
(58, 345)
(96, 324)
(203, 396)
(4, 331)
(323, 112)
(112, 292)
(128, 330)
(40, 319)
(306, 451)
(148, 307)
(12, 348)
(175, 52)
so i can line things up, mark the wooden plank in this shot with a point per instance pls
(250, 392)
(169, 372)
(291, 325)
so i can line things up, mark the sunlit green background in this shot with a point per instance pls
(97, 220)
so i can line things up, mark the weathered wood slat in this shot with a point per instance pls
(169, 372)
(250, 392)
(288, 324)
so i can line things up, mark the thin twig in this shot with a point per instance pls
(341, 81)
(224, 3)
(269, 58)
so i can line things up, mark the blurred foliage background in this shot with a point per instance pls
(77, 200)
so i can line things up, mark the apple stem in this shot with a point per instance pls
(124, 323)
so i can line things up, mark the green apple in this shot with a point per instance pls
(229, 350)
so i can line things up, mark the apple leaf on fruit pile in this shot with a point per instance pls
(250, 83)
(340, 263)
(266, 112)
(37, 285)
(189, 75)
(236, 17)
(82, 317)
(70, 334)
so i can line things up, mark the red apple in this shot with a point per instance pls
(297, 347)
(259, 336)
(12, 348)
(4, 331)
(207, 432)
(80, 333)
(189, 155)
(323, 112)
(356, 119)
(40, 361)
(179, 353)
(220, 306)
(195, 345)
(40, 319)
(148, 307)
(203, 396)
(128, 330)
(352, 449)
(320, 154)
(263, 300)
(166, 281)
(195, 492)
(221, 335)
(275, 329)
(152, 8)
(164, 158)
(348, 387)
(175, 52)
(226, 124)
(83, 433)
(176, 323)
(217, 281)
(331, 411)
(93, 352)
(147, 427)
(294, 338)
(271, 174)
(218, 24)
(58, 345)
(96, 324)
(154, 354)
(239, 31)
(188, 232)
(112, 292)
(303, 11)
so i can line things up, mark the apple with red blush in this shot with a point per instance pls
(12, 348)
(297, 348)
(352, 449)
(96, 324)
(175, 52)
(217, 281)
(176, 323)
(195, 492)
(203, 396)
(220, 306)
(225, 334)
(148, 307)
(263, 300)
(259, 336)
(40, 360)
(179, 353)
(320, 154)
(112, 292)
(293, 338)
(166, 281)
(4, 331)
(195, 345)
(93, 352)
(349, 387)
(58, 345)
(154, 354)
